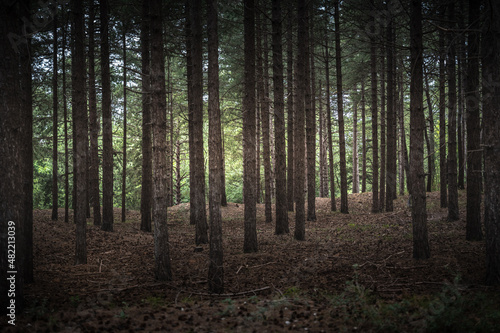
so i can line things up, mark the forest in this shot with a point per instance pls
(248, 166)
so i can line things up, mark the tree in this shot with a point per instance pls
(197, 175)
(490, 56)
(80, 122)
(417, 121)
(473, 228)
(124, 150)
(373, 69)
(249, 132)
(310, 120)
(355, 157)
(66, 140)
(344, 208)
(279, 121)
(93, 125)
(453, 213)
(216, 268)
(443, 184)
(363, 137)
(147, 147)
(290, 108)
(163, 269)
(107, 132)
(299, 135)
(55, 103)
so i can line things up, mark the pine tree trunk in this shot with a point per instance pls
(107, 134)
(375, 171)
(383, 137)
(163, 271)
(391, 158)
(55, 102)
(417, 120)
(363, 137)
(249, 132)
(474, 156)
(290, 108)
(443, 182)
(80, 122)
(323, 174)
(355, 157)
(66, 138)
(453, 213)
(333, 203)
(215, 269)
(94, 125)
(124, 151)
(279, 121)
(198, 203)
(147, 146)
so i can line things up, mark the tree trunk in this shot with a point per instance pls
(323, 164)
(474, 156)
(198, 203)
(373, 65)
(94, 126)
(279, 121)
(431, 167)
(453, 213)
(80, 122)
(107, 133)
(310, 123)
(391, 158)
(383, 136)
(124, 170)
(490, 55)
(419, 216)
(363, 137)
(290, 108)
(299, 135)
(215, 269)
(66, 138)
(249, 158)
(163, 270)
(55, 102)
(340, 108)
(147, 146)
(355, 157)
(443, 182)
(403, 156)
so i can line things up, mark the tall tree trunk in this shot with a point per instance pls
(66, 138)
(375, 171)
(124, 170)
(431, 168)
(363, 137)
(490, 55)
(310, 123)
(453, 213)
(189, 77)
(323, 164)
(290, 108)
(461, 77)
(55, 102)
(383, 136)
(147, 146)
(474, 156)
(80, 122)
(215, 269)
(163, 271)
(403, 156)
(299, 135)
(249, 158)
(443, 180)
(391, 121)
(107, 133)
(355, 157)
(279, 120)
(223, 169)
(344, 208)
(94, 125)
(198, 203)
(419, 215)
(333, 203)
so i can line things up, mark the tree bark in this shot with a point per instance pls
(355, 157)
(55, 104)
(375, 171)
(107, 133)
(163, 271)
(391, 122)
(290, 108)
(443, 181)
(249, 158)
(417, 124)
(216, 268)
(383, 136)
(363, 137)
(124, 151)
(474, 156)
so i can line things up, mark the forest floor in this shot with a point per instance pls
(354, 272)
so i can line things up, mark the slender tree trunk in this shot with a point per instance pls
(443, 182)
(300, 216)
(198, 203)
(431, 142)
(94, 126)
(419, 216)
(124, 170)
(310, 123)
(66, 138)
(355, 157)
(383, 137)
(279, 121)
(474, 156)
(189, 77)
(147, 146)
(323, 164)
(333, 203)
(453, 213)
(80, 126)
(344, 208)
(178, 176)
(223, 169)
(216, 268)
(461, 77)
(55, 103)
(107, 133)
(375, 171)
(163, 271)
(290, 108)
(402, 141)
(249, 158)
(391, 158)
(490, 56)
(363, 137)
